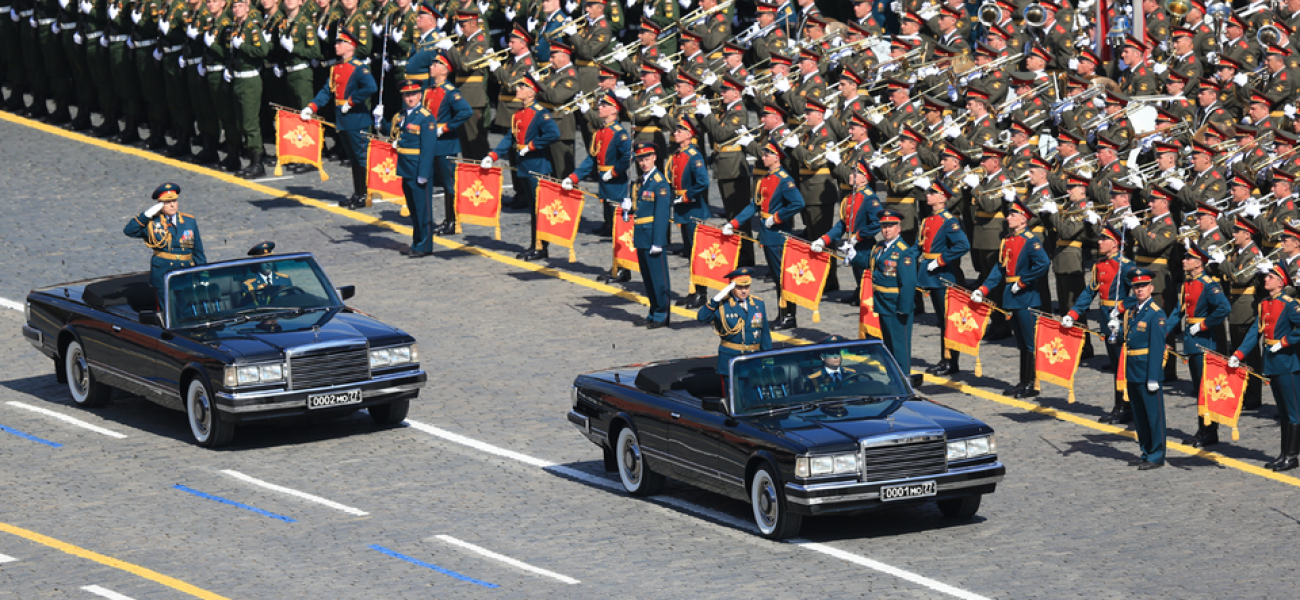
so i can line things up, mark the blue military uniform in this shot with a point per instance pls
(531, 130)
(651, 212)
(1022, 261)
(175, 240)
(942, 243)
(450, 111)
(350, 84)
(415, 133)
(261, 289)
(690, 183)
(1279, 324)
(742, 325)
(859, 220)
(1201, 302)
(1110, 285)
(610, 152)
(1144, 347)
(776, 197)
(893, 287)
(426, 48)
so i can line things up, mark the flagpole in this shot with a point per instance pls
(299, 112)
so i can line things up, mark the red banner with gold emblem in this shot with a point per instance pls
(624, 251)
(1222, 391)
(478, 196)
(558, 214)
(868, 318)
(715, 256)
(966, 321)
(1056, 352)
(382, 180)
(803, 275)
(298, 141)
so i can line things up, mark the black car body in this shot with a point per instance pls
(222, 352)
(886, 445)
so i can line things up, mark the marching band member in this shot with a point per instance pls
(689, 181)
(1110, 285)
(531, 130)
(942, 244)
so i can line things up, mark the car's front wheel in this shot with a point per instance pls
(960, 508)
(206, 425)
(771, 512)
(392, 413)
(638, 479)
(85, 391)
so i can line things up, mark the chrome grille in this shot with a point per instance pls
(902, 459)
(335, 366)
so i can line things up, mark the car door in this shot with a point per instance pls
(122, 350)
(693, 435)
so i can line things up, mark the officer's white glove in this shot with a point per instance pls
(1091, 217)
(422, 180)
(1131, 222)
(237, 41)
(1252, 209)
(322, 32)
(1073, 63)
(345, 108)
(922, 183)
(846, 245)
(286, 42)
(1194, 329)
(54, 28)
(1048, 207)
(78, 40)
(571, 30)
(566, 184)
(1240, 79)
(157, 54)
(493, 65)
(202, 70)
(209, 38)
(703, 109)
(531, 23)
(620, 55)
(790, 141)
(86, 7)
(103, 41)
(1234, 362)
(1264, 267)
(769, 222)
(658, 112)
(782, 84)
(817, 246)
(622, 92)
(850, 254)
(226, 75)
(1009, 194)
(378, 28)
(1152, 386)
(709, 78)
(523, 152)
(305, 114)
(396, 36)
(1160, 68)
(629, 4)
(1217, 257)
(977, 296)
(749, 90)
(1176, 183)
(932, 267)
(136, 15)
(164, 26)
(584, 106)
(486, 163)
(728, 229)
(878, 162)
(1067, 321)
(1113, 325)
(444, 44)
(834, 157)
(192, 32)
(971, 180)
(1016, 287)
(378, 112)
(726, 291)
(896, 6)
(277, 71)
(153, 210)
(876, 118)
(665, 64)
(607, 175)
(1099, 102)
(510, 14)
(113, 11)
(64, 3)
(656, 250)
(745, 140)
(1289, 111)
(626, 205)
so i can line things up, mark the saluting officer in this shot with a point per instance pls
(648, 203)
(893, 286)
(172, 235)
(450, 111)
(690, 184)
(416, 133)
(1144, 348)
(1021, 262)
(531, 130)
(942, 244)
(1201, 311)
(739, 318)
(1110, 285)
(1278, 327)
(348, 90)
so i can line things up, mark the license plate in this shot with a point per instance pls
(334, 399)
(910, 490)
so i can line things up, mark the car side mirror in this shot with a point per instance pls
(151, 317)
(716, 405)
(347, 291)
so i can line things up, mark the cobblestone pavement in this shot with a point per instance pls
(502, 343)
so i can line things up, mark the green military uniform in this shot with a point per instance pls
(512, 70)
(588, 45)
(70, 22)
(817, 184)
(359, 23)
(730, 169)
(558, 89)
(97, 57)
(473, 134)
(121, 61)
(298, 49)
(215, 58)
(170, 24)
(146, 15)
(247, 49)
(1244, 294)
(12, 69)
(197, 20)
(54, 62)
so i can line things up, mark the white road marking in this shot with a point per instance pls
(7, 303)
(697, 509)
(292, 492)
(506, 559)
(266, 179)
(4, 558)
(66, 419)
(106, 593)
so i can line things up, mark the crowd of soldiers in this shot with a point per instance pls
(1003, 131)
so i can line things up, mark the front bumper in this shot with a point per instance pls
(250, 406)
(832, 498)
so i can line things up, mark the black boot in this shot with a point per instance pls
(208, 155)
(1123, 410)
(232, 163)
(108, 129)
(82, 122)
(1290, 448)
(157, 140)
(60, 115)
(1027, 377)
(785, 319)
(1286, 443)
(255, 169)
(130, 133)
(181, 149)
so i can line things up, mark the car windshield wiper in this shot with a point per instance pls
(774, 407)
(235, 320)
(275, 310)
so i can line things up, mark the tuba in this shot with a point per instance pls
(1035, 15)
(1268, 35)
(989, 13)
(1178, 8)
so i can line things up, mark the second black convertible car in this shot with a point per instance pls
(814, 430)
(235, 341)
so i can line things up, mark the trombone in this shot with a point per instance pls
(663, 102)
(839, 146)
(481, 62)
(909, 181)
(1257, 261)
(627, 48)
(701, 13)
(572, 105)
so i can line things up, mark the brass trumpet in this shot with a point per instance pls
(481, 62)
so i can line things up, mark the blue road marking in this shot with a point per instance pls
(447, 572)
(233, 503)
(30, 437)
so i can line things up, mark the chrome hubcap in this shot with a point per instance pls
(199, 406)
(767, 502)
(80, 375)
(632, 461)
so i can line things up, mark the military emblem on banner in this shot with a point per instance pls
(1222, 390)
(1057, 349)
(478, 196)
(297, 142)
(803, 275)
(558, 215)
(382, 180)
(715, 256)
(966, 321)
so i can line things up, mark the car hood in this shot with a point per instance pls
(254, 340)
(845, 425)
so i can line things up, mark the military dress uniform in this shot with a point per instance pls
(651, 199)
(473, 134)
(689, 180)
(262, 288)
(1278, 326)
(350, 84)
(1144, 349)
(610, 152)
(1109, 285)
(513, 69)
(415, 131)
(1021, 262)
(742, 324)
(531, 130)
(1244, 295)
(175, 240)
(730, 169)
(893, 265)
(776, 201)
(859, 222)
(246, 53)
(588, 45)
(558, 88)
(450, 112)
(943, 243)
(1202, 304)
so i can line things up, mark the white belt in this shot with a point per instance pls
(5, 9)
(245, 74)
(174, 49)
(216, 68)
(45, 21)
(329, 63)
(145, 43)
(399, 63)
(68, 25)
(189, 62)
(94, 35)
(26, 13)
(119, 38)
(296, 68)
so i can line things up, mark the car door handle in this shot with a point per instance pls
(675, 415)
(117, 328)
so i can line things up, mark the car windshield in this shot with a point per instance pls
(804, 377)
(248, 290)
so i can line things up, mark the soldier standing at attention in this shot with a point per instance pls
(558, 89)
(474, 44)
(1144, 345)
(1109, 284)
(1202, 309)
(244, 69)
(648, 205)
(689, 180)
(416, 133)
(172, 235)
(893, 281)
(610, 155)
(449, 111)
(739, 318)
(349, 89)
(1279, 328)
(532, 130)
(942, 244)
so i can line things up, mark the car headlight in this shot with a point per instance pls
(238, 375)
(391, 357)
(971, 448)
(381, 358)
(829, 464)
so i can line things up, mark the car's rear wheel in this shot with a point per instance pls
(392, 413)
(206, 425)
(85, 391)
(771, 512)
(960, 508)
(637, 476)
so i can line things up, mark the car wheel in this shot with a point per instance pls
(85, 391)
(392, 413)
(638, 478)
(771, 513)
(960, 508)
(206, 425)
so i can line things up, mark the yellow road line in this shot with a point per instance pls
(611, 290)
(149, 574)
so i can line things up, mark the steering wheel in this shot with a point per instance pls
(292, 290)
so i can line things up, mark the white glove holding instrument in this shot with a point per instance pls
(1217, 257)
(1067, 322)
(1131, 222)
(571, 30)
(977, 296)
(922, 183)
(1234, 362)
(790, 141)
(1009, 194)
(1252, 209)
(305, 114)
(620, 55)
(236, 42)
(709, 78)
(703, 109)
(378, 112)
(817, 246)
(1176, 183)
(622, 92)
(1194, 329)
(486, 163)
(1240, 79)
(745, 140)
(658, 112)
(782, 84)
(584, 106)
(1048, 207)
(192, 32)
(850, 253)
(153, 210)
(1264, 267)
(1091, 217)
(728, 229)
(493, 65)
(834, 157)
(726, 291)
(769, 222)
(1152, 386)
(157, 54)
(971, 180)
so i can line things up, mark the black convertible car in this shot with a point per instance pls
(812, 430)
(234, 341)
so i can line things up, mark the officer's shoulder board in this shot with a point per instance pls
(657, 178)
(691, 151)
(424, 110)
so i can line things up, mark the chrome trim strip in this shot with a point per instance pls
(271, 394)
(580, 421)
(902, 437)
(34, 335)
(943, 486)
(683, 463)
(166, 391)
